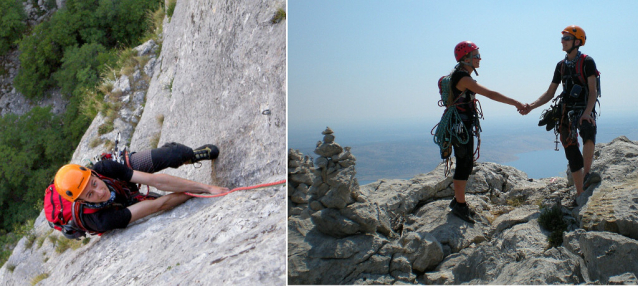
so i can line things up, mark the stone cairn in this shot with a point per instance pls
(334, 184)
(332, 197)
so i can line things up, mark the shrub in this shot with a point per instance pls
(39, 278)
(552, 220)
(30, 240)
(81, 67)
(279, 16)
(171, 8)
(11, 24)
(105, 128)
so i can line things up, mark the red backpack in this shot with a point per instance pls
(65, 216)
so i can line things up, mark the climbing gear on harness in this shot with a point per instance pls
(451, 129)
(238, 189)
(550, 117)
(120, 155)
(70, 181)
(578, 65)
(206, 152)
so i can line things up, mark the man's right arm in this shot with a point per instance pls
(148, 207)
(545, 97)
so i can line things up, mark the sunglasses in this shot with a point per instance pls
(477, 56)
(567, 38)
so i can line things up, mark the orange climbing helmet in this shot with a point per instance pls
(71, 180)
(577, 32)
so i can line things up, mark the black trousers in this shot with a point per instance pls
(169, 155)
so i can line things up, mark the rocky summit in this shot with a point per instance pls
(402, 231)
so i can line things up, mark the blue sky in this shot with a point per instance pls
(356, 63)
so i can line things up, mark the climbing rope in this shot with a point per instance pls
(238, 189)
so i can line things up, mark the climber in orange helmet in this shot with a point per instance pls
(106, 197)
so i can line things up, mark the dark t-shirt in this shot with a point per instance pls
(589, 70)
(465, 110)
(110, 218)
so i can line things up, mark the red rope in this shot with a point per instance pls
(238, 189)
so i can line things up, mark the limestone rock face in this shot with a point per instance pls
(221, 67)
(421, 242)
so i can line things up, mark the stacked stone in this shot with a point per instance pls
(300, 177)
(334, 182)
(333, 203)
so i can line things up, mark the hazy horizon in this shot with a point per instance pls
(399, 151)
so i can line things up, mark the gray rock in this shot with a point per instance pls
(328, 149)
(422, 250)
(623, 279)
(603, 251)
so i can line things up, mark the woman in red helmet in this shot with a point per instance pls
(464, 88)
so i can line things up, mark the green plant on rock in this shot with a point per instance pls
(39, 278)
(552, 220)
(279, 16)
(105, 128)
(171, 8)
(12, 24)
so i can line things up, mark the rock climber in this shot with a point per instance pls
(577, 106)
(106, 191)
(464, 88)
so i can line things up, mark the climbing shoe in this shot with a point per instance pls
(591, 178)
(206, 152)
(463, 212)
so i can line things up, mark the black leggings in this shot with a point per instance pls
(464, 154)
(170, 155)
(572, 150)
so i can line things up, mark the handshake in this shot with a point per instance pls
(523, 109)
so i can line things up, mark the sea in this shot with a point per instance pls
(401, 151)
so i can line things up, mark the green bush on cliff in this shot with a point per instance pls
(57, 46)
(552, 219)
(11, 23)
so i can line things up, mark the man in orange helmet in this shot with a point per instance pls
(578, 75)
(108, 193)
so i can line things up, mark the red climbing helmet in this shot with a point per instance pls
(463, 48)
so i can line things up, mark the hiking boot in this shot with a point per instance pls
(591, 178)
(453, 203)
(463, 212)
(206, 152)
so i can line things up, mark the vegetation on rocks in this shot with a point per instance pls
(552, 219)
(79, 51)
(11, 23)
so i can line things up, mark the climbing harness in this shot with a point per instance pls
(451, 129)
(238, 189)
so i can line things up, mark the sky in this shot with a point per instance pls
(376, 63)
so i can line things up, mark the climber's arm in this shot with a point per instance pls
(148, 207)
(174, 184)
